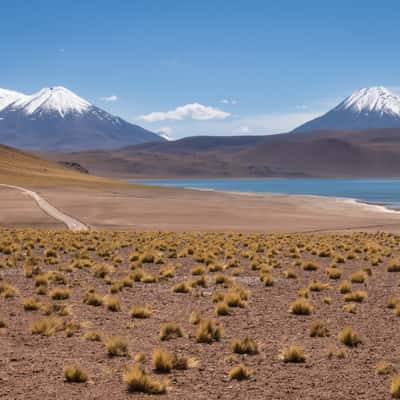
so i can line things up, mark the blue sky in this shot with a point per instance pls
(255, 67)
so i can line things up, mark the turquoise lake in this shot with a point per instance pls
(376, 191)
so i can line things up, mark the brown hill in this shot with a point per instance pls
(371, 153)
(20, 168)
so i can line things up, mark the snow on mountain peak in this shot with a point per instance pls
(54, 99)
(372, 100)
(9, 96)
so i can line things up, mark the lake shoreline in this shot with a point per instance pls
(186, 184)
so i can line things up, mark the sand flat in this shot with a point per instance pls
(155, 208)
(20, 210)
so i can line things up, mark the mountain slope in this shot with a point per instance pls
(9, 96)
(371, 153)
(57, 119)
(368, 108)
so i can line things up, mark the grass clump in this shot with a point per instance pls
(208, 331)
(357, 296)
(93, 299)
(394, 266)
(116, 346)
(222, 309)
(293, 354)
(139, 311)
(240, 372)
(358, 277)
(334, 273)
(246, 346)
(345, 287)
(290, 273)
(162, 360)
(30, 304)
(194, 317)
(310, 266)
(112, 303)
(137, 380)
(349, 337)
(59, 294)
(47, 326)
(74, 374)
(267, 279)
(301, 307)
(318, 329)
(198, 270)
(395, 387)
(182, 287)
(170, 330)
(392, 302)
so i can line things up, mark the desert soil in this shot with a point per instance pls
(151, 208)
(31, 366)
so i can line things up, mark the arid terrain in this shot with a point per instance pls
(204, 316)
(186, 293)
(368, 153)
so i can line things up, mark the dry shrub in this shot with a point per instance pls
(318, 329)
(162, 360)
(394, 266)
(137, 380)
(301, 307)
(59, 294)
(240, 372)
(357, 296)
(93, 299)
(116, 346)
(47, 326)
(349, 337)
(334, 273)
(208, 331)
(345, 287)
(395, 387)
(245, 346)
(222, 309)
(358, 277)
(141, 311)
(293, 354)
(170, 330)
(182, 287)
(194, 318)
(30, 304)
(74, 374)
(113, 303)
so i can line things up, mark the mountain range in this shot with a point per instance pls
(56, 119)
(367, 108)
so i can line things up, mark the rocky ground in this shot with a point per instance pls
(254, 278)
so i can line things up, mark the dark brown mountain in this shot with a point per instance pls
(370, 153)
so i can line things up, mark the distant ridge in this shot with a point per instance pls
(368, 108)
(56, 119)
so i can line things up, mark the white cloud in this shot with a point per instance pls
(256, 124)
(165, 132)
(194, 111)
(229, 101)
(109, 98)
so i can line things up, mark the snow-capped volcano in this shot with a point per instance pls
(57, 119)
(55, 99)
(9, 96)
(374, 107)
